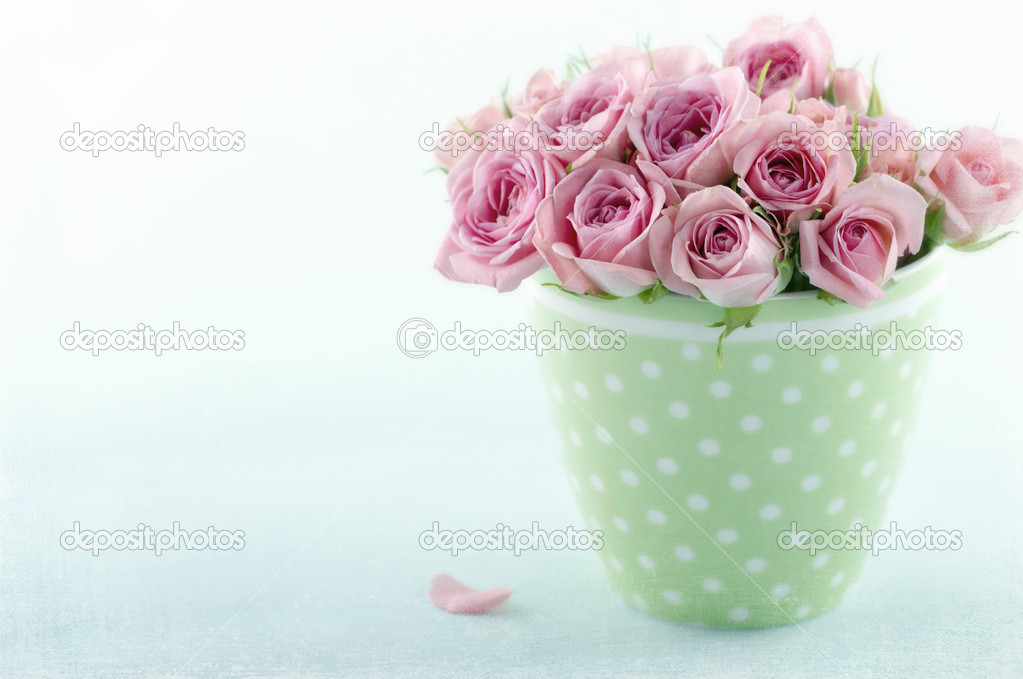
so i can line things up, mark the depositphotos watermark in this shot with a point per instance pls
(505, 538)
(144, 139)
(503, 138)
(143, 538)
(863, 338)
(860, 537)
(418, 337)
(877, 138)
(144, 338)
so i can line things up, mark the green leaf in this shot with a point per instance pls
(645, 44)
(934, 221)
(786, 267)
(978, 245)
(832, 300)
(435, 168)
(585, 295)
(568, 170)
(829, 94)
(733, 319)
(504, 98)
(763, 74)
(651, 295)
(874, 109)
(860, 146)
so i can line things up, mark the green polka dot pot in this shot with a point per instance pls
(692, 473)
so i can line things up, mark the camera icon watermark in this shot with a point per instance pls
(418, 337)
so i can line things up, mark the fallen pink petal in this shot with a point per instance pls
(450, 595)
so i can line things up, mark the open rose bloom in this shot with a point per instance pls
(652, 172)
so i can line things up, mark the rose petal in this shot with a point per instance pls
(450, 595)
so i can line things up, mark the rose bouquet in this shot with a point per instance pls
(650, 172)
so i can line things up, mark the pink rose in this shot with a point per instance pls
(480, 121)
(715, 245)
(593, 229)
(854, 249)
(543, 87)
(494, 196)
(588, 120)
(896, 150)
(851, 89)
(981, 183)
(789, 165)
(687, 130)
(799, 56)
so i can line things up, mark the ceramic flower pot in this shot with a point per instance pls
(693, 474)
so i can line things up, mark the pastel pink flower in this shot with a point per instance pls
(494, 196)
(980, 181)
(854, 249)
(480, 121)
(788, 164)
(543, 87)
(715, 245)
(799, 56)
(593, 229)
(851, 89)
(686, 130)
(588, 120)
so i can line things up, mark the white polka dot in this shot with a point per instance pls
(878, 410)
(781, 455)
(821, 424)
(558, 395)
(751, 423)
(581, 390)
(755, 565)
(855, 389)
(690, 351)
(667, 465)
(762, 363)
(906, 368)
(679, 411)
(645, 561)
(672, 597)
(620, 524)
(739, 482)
(829, 364)
(639, 601)
(918, 385)
(820, 560)
(792, 395)
(721, 389)
(597, 484)
(712, 585)
(869, 468)
(683, 553)
(739, 613)
(602, 435)
(656, 517)
(709, 447)
(837, 578)
(856, 523)
(781, 590)
(651, 369)
(803, 611)
(886, 353)
(836, 505)
(615, 564)
(885, 482)
(896, 427)
(811, 482)
(847, 448)
(594, 524)
(727, 536)
(770, 512)
(697, 502)
(573, 436)
(612, 383)
(629, 477)
(639, 425)
(575, 484)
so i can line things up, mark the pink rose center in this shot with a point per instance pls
(981, 171)
(786, 66)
